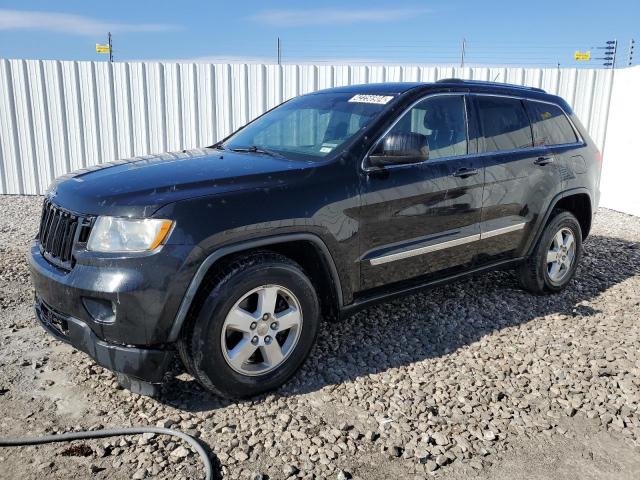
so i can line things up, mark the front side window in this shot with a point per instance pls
(550, 124)
(505, 124)
(441, 120)
(310, 125)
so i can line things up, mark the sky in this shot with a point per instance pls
(358, 31)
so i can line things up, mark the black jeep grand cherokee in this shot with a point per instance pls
(230, 255)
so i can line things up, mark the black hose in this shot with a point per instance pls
(111, 432)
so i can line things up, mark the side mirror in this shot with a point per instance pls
(399, 148)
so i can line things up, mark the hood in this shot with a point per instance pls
(139, 186)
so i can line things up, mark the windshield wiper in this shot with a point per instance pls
(217, 146)
(255, 149)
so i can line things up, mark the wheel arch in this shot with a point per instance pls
(330, 292)
(577, 201)
(579, 204)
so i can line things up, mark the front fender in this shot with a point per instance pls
(224, 251)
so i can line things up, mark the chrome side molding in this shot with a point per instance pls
(422, 250)
(501, 231)
(392, 257)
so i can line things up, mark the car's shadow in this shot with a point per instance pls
(433, 323)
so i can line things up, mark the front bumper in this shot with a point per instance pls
(143, 292)
(145, 364)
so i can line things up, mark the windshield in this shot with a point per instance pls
(312, 125)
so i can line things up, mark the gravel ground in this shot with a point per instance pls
(476, 379)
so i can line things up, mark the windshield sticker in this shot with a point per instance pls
(377, 99)
(327, 147)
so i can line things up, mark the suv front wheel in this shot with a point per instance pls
(555, 257)
(255, 327)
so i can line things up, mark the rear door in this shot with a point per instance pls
(423, 219)
(552, 128)
(520, 178)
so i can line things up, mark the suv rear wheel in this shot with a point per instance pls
(255, 328)
(555, 258)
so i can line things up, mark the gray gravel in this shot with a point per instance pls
(473, 379)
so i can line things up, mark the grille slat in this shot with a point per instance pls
(65, 241)
(67, 244)
(55, 223)
(60, 231)
(43, 219)
(47, 223)
(58, 234)
(59, 240)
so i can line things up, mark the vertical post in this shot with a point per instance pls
(110, 47)
(279, 51)
(631, 45)
(615, 51)
(464, 44)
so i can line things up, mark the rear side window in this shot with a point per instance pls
(505, 124)
(550, 125)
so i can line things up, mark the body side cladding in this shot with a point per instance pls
(391, 293)
(239, 247)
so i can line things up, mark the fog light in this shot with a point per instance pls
(101, 310)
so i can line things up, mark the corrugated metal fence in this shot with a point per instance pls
(57, 116)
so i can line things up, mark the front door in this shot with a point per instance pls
(423, 219)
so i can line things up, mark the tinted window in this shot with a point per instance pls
(505, 124)
(442, 120)
(550, 124)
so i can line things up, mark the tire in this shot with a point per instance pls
(208, 340)
(536, 274)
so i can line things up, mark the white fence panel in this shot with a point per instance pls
(56, 117)
(621, 167)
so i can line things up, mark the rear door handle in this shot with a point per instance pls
(542, 161)
(465, 172)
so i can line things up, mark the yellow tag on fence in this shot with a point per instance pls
(102, 48)
(584, 56)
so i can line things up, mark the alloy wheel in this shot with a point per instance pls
(561, 255)
(261, 330)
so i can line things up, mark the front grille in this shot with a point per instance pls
(59, 231)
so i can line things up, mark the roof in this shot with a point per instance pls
(402, 87)
(419, 88)
(482, 83)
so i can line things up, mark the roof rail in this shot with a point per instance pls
(484, 82)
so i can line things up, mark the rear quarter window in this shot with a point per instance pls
(550, 125)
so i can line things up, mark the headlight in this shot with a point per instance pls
(113, 234)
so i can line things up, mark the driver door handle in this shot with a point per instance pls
(465, 172)
(542, 161)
